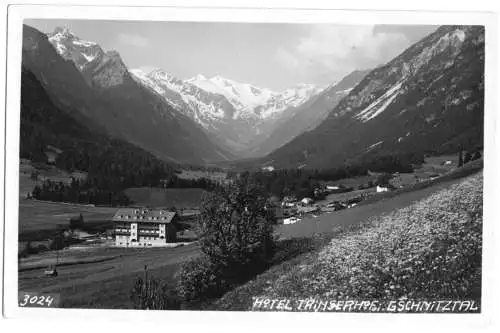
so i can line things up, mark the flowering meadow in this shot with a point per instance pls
(430, 250)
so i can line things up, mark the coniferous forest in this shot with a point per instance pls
(112, 165)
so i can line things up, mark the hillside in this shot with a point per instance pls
(111, 164)
(100, 89)
(429, 99)
(428, 250)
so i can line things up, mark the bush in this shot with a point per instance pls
(200, 280)
(150, 294)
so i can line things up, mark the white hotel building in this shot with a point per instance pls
(142, 227)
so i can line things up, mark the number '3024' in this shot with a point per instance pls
(36, 300)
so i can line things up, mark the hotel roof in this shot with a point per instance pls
(143, 215)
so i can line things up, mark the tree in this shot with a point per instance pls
(460, 159)
(58, 242)
(77, 223)
(34, 175)
(476, 156)
(236, 239)
(236, 228)
(37, 191)
(383, 179)
(468, 157)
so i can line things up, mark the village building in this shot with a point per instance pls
(142, 227)
(382, 189)
(307, 201)
(302, 211)
(289, 201)
(291, 220)
(269, 168)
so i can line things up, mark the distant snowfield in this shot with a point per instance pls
(246, 97)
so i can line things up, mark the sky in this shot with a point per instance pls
(268, 55)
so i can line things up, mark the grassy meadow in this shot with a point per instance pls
(40, 215)
(180, 198)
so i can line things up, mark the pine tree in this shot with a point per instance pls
(468, 157)
(476, 156)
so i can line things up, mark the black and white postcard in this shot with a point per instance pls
(200, 161)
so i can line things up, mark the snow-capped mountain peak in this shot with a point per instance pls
(237, 111)
(255, 102)
(64, 32)
(70, 47)
(103, 69)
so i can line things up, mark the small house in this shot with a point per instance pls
(382, 189)
(269, 168)
(308, 210)
(289, 201)
(307, 201)
(291, 220)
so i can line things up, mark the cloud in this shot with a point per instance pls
(286, 58)
(134, 40)
(341, 49)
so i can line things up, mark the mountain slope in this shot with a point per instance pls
(429, 99)
(111, 164)
(83, 79)
(309, 114)
(239, 116)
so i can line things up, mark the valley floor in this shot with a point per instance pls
(107, 282)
